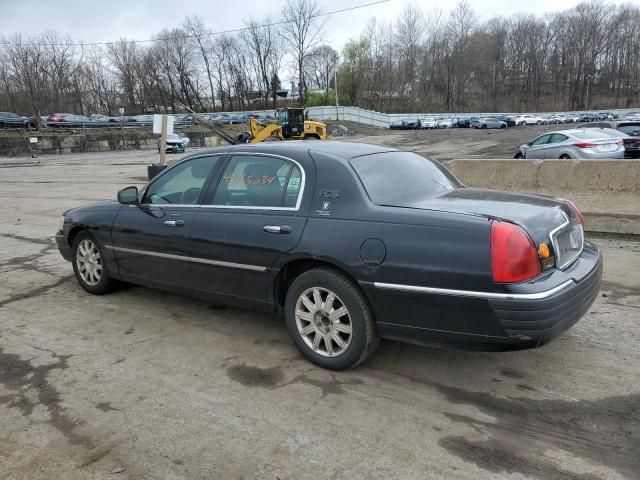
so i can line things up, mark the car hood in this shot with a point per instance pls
(102, 205)
(537, 214)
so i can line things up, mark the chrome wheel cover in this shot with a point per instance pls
(89, 262)
(323, 322)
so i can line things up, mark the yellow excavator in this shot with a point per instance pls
(290, 125)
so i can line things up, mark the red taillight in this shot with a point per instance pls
(586, 145)
(575, 209)
(514, 257)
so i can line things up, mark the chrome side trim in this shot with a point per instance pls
(184, 258)
(474, 294)
(254, 268)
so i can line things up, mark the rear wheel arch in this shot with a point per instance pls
(293, 269)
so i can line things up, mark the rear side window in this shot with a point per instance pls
(259, 181)
(557, 138)
(402, 178)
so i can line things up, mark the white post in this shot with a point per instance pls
(163, 140)
(335, 86)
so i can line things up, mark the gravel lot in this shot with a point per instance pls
(451, 143)
(143, 384)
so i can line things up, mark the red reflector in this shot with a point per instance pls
(514, 257)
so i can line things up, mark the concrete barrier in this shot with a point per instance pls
(60, 143)
(607, 191)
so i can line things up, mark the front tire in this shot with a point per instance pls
(89, 266)
(330, 320)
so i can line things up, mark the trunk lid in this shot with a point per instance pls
(538, 215)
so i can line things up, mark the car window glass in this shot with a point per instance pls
(402, 178)
(541, 140)
(630, 128)
(259, 181)
(183, 183)
(589, 134)
(557, 138)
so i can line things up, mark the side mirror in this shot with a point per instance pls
(128, 196)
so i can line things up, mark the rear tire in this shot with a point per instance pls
(565, 157)
(89, 265)
(330, 320)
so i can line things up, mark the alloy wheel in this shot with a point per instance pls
(323, 322)
(89, 262)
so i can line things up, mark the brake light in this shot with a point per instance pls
(575, 208)
(514, 257)
(586, 145)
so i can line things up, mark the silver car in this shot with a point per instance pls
(573, 144)
(488, 122)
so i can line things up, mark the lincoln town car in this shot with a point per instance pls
(350, 243)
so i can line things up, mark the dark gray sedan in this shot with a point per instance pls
(350, 242)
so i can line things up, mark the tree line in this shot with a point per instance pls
(587, 57)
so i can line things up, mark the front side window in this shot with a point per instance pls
(182, 184)
(259, 181)
(402, 179)
(541, 140)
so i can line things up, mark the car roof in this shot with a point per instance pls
(345, 150)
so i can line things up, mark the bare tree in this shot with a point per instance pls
(301, 31)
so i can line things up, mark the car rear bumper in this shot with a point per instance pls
(531, 316)
(534, 322)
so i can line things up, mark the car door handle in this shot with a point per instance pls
(174, 223)
(277, 228)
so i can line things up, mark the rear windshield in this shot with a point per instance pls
(630, 128)
(402, 179)
(590, 135)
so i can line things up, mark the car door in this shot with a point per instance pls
(255, 214)
(537, 147)
(553, 149)
(149, 239)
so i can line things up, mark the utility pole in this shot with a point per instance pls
(335, 85)
(163, 139)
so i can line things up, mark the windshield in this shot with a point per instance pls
(402, 179)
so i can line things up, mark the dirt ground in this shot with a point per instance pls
(451, 143)
(141, 384)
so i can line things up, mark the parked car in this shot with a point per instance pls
(350, 243)
(68, 120)
(428, 123)
(573, 144)
(631, 143)
(488, 122)
(445, 123)
(510, 121)
(97, 117)
(629, 133)
(9, 119)
(530, 120)
(629, 127)
(462, 122)
(404, 125)
(176, 143)
(571, 118)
